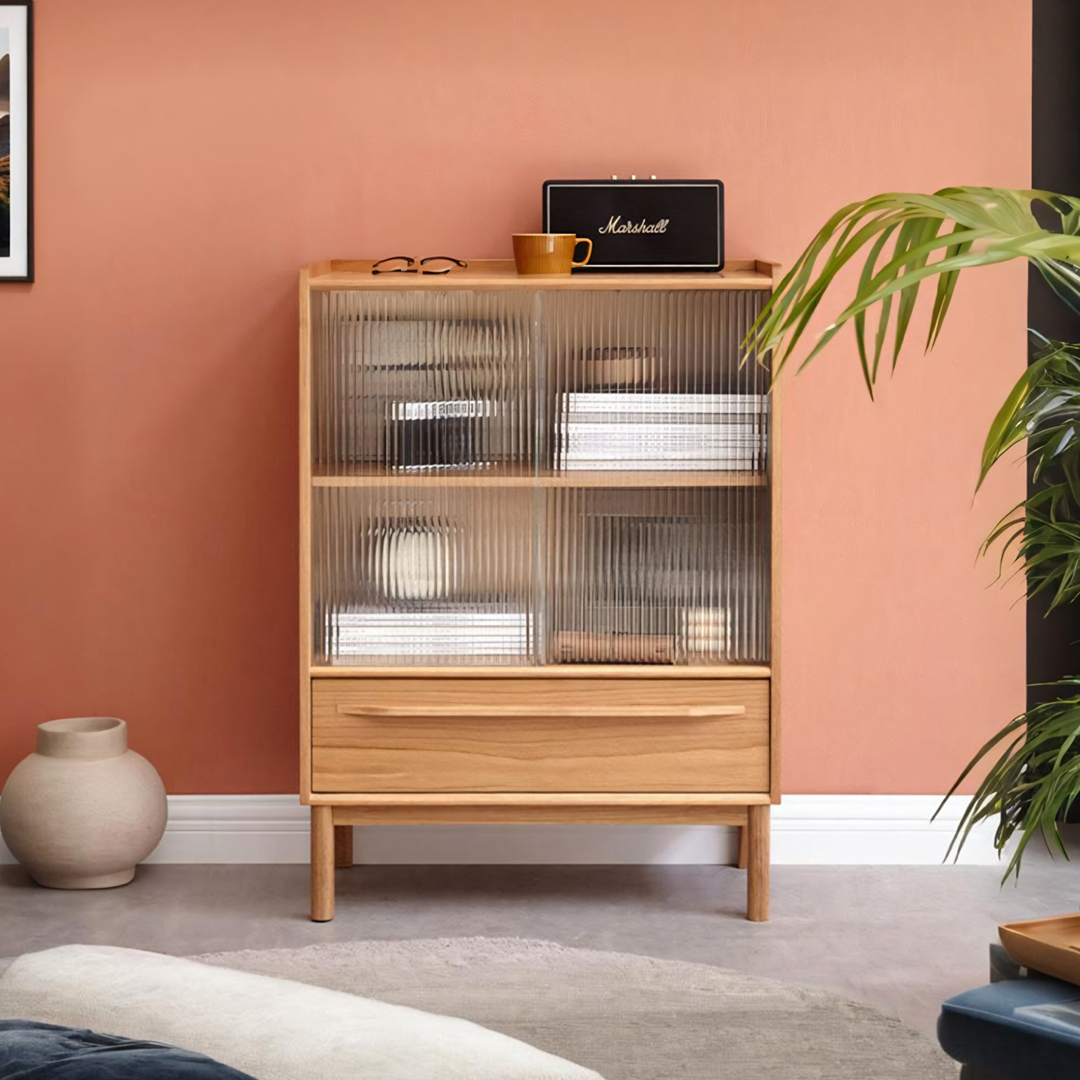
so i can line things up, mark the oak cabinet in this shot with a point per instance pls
(538, 532)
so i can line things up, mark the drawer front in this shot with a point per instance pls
(537, 735)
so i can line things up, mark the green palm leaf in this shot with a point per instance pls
(988, 225)
(1034, 771)
(1043, 532)
(1034, 764)
(1044, 408)
(1033, 779)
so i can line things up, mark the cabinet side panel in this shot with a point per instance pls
(776, 525)
(305, 536)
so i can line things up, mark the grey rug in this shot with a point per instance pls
(627, 1017)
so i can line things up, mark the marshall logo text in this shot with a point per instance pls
(617, 225)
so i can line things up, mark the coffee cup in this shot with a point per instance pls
(548, 253)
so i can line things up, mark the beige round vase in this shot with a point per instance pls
(83, 810)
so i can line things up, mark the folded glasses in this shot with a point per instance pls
(408, 265)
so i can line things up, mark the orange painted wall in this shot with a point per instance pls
(191, 155)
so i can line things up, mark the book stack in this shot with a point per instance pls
(705, 632)
(443, 434)
(691, 432)
(611, 647)
(449, 632)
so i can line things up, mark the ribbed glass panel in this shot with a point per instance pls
(539, 477)
(416, 382)
(659, 576)
(423, 575)
(652, 381)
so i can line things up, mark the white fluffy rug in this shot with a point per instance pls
(627, 1017)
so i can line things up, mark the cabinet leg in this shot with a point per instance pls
(757, 879)
(343, 840)
(743, 853)
(322, 863)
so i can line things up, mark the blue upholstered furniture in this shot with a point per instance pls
(32, 1051)
(1021, 1028)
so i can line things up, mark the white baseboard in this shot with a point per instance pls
(873, 830)
(821, 830)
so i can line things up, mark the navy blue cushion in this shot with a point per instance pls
(32, 1051)
(1023, 1029)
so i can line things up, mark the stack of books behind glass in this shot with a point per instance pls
(691, 432)
(452, 631)
(417, 605)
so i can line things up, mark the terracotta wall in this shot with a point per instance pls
(192, 155)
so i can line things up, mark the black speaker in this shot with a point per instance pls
(641, 225)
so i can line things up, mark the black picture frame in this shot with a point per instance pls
(28, 276)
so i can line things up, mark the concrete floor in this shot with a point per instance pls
(902, 938)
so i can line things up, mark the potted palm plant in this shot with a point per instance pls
(1033, 763)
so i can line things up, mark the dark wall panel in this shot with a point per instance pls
(1053, 641)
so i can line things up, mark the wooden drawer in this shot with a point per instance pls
(537, 735)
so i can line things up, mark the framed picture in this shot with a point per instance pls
(16, 142)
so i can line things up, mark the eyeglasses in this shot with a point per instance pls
(410, 268)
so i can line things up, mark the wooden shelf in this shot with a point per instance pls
(527, 808)
(547, 671)
(545, 798)
(509, 477)
(500, 274)
(554, 798)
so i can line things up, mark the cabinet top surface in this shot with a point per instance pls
(500, 274)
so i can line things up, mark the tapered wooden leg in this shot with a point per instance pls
(322, 863)
(343, 838)
(743, 853)
(757, 879)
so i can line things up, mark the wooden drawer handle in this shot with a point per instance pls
(683, 712)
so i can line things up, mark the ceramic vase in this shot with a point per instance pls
(83, 810)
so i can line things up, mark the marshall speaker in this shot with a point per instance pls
(641, 225)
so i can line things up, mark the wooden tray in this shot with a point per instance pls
(1050, 946)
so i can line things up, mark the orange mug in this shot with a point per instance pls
(548, 253)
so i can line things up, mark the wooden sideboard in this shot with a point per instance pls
(538, 533)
